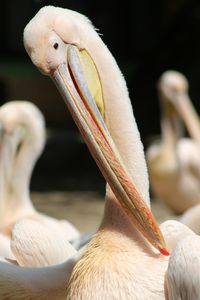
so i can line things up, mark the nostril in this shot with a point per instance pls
(55, 46)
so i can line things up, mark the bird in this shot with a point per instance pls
(128, 239)
(22, 139)
(173, 161)
(191, 218)
(35, 245)
(182, 278)
(22, 283)
(44, 260)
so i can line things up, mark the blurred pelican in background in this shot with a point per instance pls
(174, 161)
(22, 139)
(191, 218)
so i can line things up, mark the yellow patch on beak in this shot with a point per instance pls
(92, 79)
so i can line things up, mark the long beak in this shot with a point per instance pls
(187, 112)
(70, 80)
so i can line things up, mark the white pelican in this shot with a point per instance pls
(182, 279)
(18, 283)
(118, 263)
(174, 162)
(191, 218)
(35, 245)
(22, 138)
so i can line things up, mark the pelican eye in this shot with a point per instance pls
(56, 45)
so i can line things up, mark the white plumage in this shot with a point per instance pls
(182, 279)
(22, 139)
(174, 162)
(118, 263)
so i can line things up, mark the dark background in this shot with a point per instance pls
(146, 38)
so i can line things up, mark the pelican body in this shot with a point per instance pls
(182, 279)
(124, 259)
(173, 162)
(69, 54)
(22, 139)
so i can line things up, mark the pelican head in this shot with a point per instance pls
(22, 139)
(173, 88)
(63, 45)
(23, 119)
(47, 46)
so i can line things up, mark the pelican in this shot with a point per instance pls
(34, 245)
(49, 257)
(191, 218)
(122, 260)
(174, 162)
(22, 138)
(182, 278)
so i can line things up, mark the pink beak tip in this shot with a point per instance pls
(164, 251)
